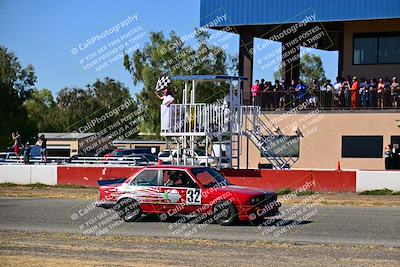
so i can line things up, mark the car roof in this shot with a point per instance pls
(180, 167)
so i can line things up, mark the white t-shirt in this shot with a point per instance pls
(338, 87)
(167, 99)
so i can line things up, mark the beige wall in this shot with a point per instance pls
(367, 71)
(73, 145)
(321, 146)
(131, 146)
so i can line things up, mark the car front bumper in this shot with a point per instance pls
(261, 211)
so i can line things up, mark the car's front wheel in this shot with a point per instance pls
(129, 209)
(225, 213)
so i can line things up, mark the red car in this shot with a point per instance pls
(186, 190)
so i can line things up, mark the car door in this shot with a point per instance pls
(145, 188)
(182, 194)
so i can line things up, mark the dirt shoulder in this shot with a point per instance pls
(55, 249)
(42, 191)
(68, 192)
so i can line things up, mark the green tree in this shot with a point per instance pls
(16, 85)
(77, 107)
(310, 68)
(41, 109)
(170, 56)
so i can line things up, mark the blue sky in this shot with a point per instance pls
(43, 33)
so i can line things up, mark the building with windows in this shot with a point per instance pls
(366, 34)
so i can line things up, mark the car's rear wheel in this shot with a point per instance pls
(129, 209)
(224, 213)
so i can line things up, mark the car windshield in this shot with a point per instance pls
(200, 152)
(209, 177)
(164, 154)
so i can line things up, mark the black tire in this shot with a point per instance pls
(129, 209)
(224, 213)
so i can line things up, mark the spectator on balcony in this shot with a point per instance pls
(387, 103)
(256, 93)
(262, 97)
(283, 95)
(292, 94)
(364, 95)
(337, 102)
(268, 91)
(329, 89)
(373, 95)
(346, 93)
(301, 90)
(380, 88)
(315, 93)
(395, 91)
(277, 93)
(354, 92)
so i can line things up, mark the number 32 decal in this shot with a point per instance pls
(193, 197)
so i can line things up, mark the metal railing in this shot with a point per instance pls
(327, 100)
(266, 136)
(200, 119)
(79, 160)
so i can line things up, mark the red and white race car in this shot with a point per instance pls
(186, 190)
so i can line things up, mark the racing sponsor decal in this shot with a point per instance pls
(172, 196)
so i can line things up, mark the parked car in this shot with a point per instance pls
(183, 190)
(125, 152)
(130, 160)
(151, 159)
(4, 156)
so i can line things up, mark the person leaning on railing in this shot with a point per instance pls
(315, 93)
(387, 103)
(354, 92)
(380, 88)
(292, 94)
(336, 94)
(346, 93)
(364, 94)
(256, 93)
(373, 93)
(395, 91)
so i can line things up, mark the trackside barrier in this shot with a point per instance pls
(28, 174)
(274, 180)
(374, 180)
(88, 175)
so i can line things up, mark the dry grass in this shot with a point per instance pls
(57, 249)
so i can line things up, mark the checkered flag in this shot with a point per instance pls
(162, 83)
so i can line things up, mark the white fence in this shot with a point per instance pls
(28, 174)
(373, 180)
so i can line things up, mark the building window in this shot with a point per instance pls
(362, 146)
(282, 146)
(376, 48)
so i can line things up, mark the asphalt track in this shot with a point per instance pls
(316, 224)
